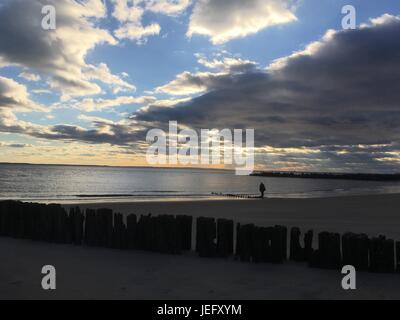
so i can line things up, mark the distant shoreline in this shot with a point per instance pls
(267, 174)
(331, 176)
(109, 166)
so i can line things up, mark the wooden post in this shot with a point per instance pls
(259, 250)
(381, 255)
(119, 232)
(283, 232)
(278, 244)
(105, 227)
(328, 255)
(206, 237)
(131, 230)
(224, 238)
(296, 251)
(89, 228)
(244, 242)
(308, 245)
(185, 228)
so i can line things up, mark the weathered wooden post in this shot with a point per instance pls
(21, 216)
(278, 244)
(34, 222)
(89, 227)
(141, 231)
(149, 235)
(206, 237)
(173, 236)
(296, 251)
(389, 261)
(398, 257)
(381, 255)
(355, 250)
(119, 232)
(185, 227)
(244, 242)
(283, 232)
(349, 248)
(308, 245)
(328, 255)
(164, 234)
(259, 245)
(76, 225)
(80, 221)
(224, 237)
(105, 227)
(131, 222)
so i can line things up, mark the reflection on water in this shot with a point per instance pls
(50, 183)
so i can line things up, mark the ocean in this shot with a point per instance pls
(74, 184)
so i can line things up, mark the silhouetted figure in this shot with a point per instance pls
(262, 190)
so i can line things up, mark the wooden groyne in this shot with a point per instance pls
(214, 238)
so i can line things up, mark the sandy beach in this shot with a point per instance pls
(92, 273)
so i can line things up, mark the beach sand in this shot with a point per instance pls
(93, 273)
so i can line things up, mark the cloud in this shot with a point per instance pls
(227, 63)
(135, 31)
(130, 15)
(15, 96)
(15, 145)
(94, 120)
(224, 20)
(102, 132)
(90, 105)
(102, 73)
(41, 91)
(29, 76)
(168, 7)
(332, 106)
(188, 83)
(58, 53)
(341, 90)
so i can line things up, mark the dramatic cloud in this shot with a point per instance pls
(340, 91)
(333, 105)
(103, 131)
(59, 53)
(224, 20)
(188, 83)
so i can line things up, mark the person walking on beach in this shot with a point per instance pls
(262, 190)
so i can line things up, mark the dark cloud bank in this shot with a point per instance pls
(339, 93)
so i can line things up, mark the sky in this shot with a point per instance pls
(319, 97)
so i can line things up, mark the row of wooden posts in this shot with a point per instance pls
(214, 238)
